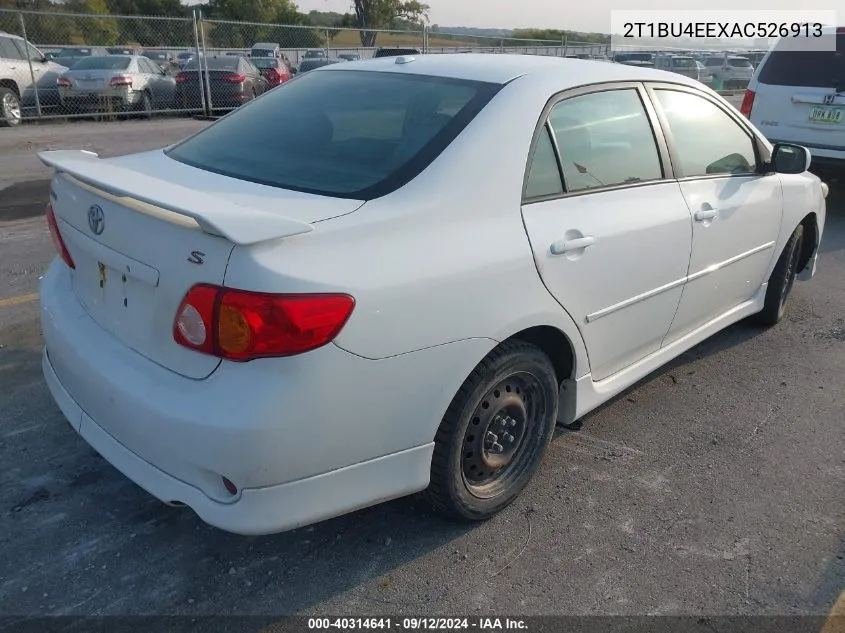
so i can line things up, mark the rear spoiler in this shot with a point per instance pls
(238, 224)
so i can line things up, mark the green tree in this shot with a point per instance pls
(96, 31)
(381, 14)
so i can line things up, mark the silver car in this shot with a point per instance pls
(116, 83)
(19, 80)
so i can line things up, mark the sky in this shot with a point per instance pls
(559, 14)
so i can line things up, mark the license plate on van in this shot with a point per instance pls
(821, 114)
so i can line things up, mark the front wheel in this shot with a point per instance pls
(495, 432)
(782, 279)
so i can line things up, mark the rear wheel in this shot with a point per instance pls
(10, 108)
(492, 439)
(145, 105)
(782, 279)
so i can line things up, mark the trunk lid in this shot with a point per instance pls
(139, 240)
(92, 79)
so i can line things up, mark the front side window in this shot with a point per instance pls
(605, 139)
(352, 134)
(707, 140)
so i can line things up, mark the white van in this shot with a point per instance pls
(797, 97)
(266, 49)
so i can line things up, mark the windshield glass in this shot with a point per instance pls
(74, 52)
(110, 62)
(261, 52)
(684, 62)
(214, 63)
(739, 62)
(349, 134)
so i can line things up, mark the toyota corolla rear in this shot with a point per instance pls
(185, 343)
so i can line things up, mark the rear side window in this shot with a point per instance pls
(818, 69)
(544, 175)
(350, 134)
(605, 139)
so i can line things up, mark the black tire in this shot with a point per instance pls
(782, 280)
(10, 108)
(145, 105)
(495, 432)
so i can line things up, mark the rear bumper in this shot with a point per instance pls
(303, 438)
(259, 510)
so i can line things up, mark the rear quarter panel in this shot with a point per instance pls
(443, 259)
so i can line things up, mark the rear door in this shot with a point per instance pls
(799, 97)
(612, 240)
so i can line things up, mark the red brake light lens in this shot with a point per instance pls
(241, 325)
(234, 78)
(63, 81)
(182, 78)
(58, 241)
(121, 81)
(747, 104)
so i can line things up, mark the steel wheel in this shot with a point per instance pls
(493, 441)
(493, 436)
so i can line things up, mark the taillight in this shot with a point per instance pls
(242, 325)
(63, 81)
(58, 241)
(747, 104)
(121, 81)
(234, 78)
(182, 78)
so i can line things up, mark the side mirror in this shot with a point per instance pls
(790, 159)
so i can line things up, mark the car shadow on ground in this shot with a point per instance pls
(67, 506)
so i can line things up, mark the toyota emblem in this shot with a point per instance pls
(96, 219)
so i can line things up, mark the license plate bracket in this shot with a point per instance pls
(827, 114)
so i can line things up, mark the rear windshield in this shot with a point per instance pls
(347, 134)
(105, 62)
(739, 62)
(262, 52)
(684, 62)
(214, 63)
(155, 55)
(820, 69)
(265, 63)
(311, 64)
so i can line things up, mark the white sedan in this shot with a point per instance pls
(405, 280)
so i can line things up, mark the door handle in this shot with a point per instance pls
(705, 214)
(560, 247)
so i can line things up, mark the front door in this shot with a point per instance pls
(611, 239)
(736, 212)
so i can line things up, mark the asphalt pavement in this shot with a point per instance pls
(714, 486)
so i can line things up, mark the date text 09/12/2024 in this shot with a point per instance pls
(482, 624)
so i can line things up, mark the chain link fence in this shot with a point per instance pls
(64, 65)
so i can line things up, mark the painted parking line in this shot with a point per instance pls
(14, 301)
(835, 622)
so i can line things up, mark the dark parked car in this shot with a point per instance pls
(311, 64)
(350, 57)
(318, 54)
(123, 50)
(166, 60)
(273, 69)
(396, 52)
(233, 81)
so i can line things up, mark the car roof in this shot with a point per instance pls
(503, 68)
